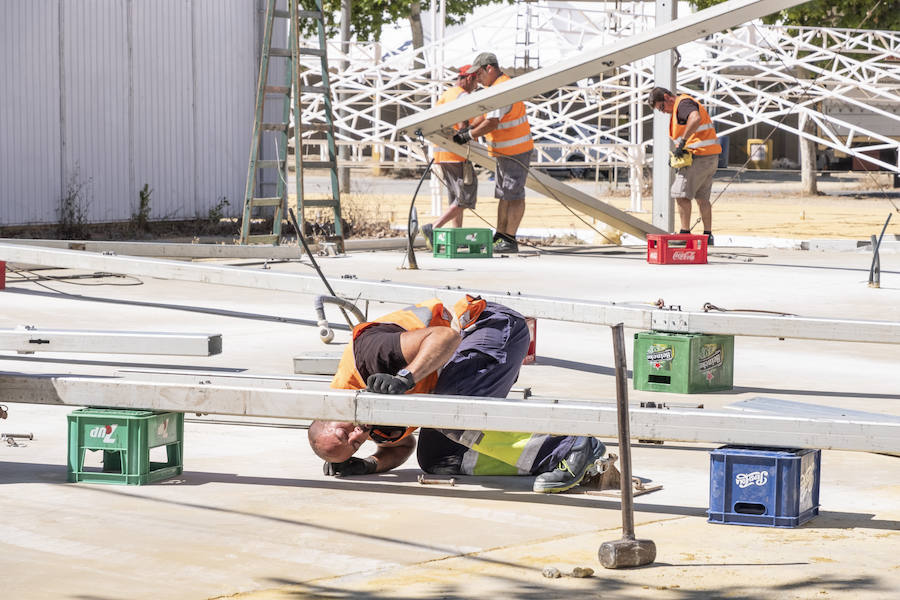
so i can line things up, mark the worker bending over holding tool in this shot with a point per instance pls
(696, 148)
(508, 136)
(393, 354)
(458, 172)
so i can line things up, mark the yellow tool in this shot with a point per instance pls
(679, 163)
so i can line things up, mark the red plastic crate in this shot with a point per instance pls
(2, 275)
(532, 347)
(676, 249)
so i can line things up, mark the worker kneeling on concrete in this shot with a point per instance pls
(402, 353)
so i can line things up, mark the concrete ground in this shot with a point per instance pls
(252, 517)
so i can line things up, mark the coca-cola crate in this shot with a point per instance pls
(676, 249)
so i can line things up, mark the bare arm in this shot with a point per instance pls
(427, 350)
(486, 126)
(693, 122)
(392, 455)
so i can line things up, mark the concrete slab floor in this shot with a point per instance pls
(252, 517)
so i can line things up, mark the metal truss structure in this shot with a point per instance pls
(845, 82)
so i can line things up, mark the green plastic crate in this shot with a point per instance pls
(125, 437)
(462, 242)
(684, 363)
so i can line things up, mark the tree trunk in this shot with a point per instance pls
(418, 35)
(808, 185)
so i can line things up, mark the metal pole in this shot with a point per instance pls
(344, 151)
(664, 76)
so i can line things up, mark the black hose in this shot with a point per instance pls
(313, 261)
(410, 233)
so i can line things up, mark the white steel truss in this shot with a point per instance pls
(750, 75)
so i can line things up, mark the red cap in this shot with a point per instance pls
(464, 71)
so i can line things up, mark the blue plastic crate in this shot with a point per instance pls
(766, 487)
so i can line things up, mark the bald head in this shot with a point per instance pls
(336, 441)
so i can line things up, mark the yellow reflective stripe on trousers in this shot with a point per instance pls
(510, 447)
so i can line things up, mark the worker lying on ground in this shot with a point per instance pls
(484, 360)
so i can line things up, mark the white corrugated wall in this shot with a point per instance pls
(104, 96)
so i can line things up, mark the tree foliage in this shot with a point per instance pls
(370, 17)
(852, 14)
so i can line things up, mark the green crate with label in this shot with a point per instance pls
(684, 363)
(126, 438)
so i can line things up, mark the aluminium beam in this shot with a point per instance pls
(564, 193)
(198, 251)
(543, 307)
(28, 340)
(590, 63)
(555, 416)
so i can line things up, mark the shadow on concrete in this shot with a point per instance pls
(506, 489)
(195, 309)
(808, 392)
(548, 361)
(604, 584)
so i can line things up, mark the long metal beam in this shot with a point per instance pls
(590, 63)
(557, 416)
(174, 250)
(27, 340)
(566, 194)
(559, 309)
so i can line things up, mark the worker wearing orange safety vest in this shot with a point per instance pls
(508, 136)
(692, 130)
(459, 174)
(486, 363)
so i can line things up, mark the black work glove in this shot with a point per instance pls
(462, 137)
(350, 467)
(383, 383)
(679, 150)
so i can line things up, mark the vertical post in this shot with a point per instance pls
(342, 111)
(437, 69)
(664, 76)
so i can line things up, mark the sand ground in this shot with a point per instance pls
(849, 205)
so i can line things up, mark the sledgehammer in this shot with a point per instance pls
(627, 552)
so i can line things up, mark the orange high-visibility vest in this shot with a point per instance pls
(430, 313)
(441, 155)
(703, 142)
(513, 134)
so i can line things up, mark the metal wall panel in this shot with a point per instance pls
(95, 89)
(162, 66)
(107, 95)
(226, 55)
(30, 176)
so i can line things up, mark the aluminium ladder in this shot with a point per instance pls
(299, 61)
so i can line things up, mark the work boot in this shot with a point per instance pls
(710, 240)
(428, 234)
(504, 245)
(570, 471)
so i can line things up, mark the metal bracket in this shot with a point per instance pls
(670, 320)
